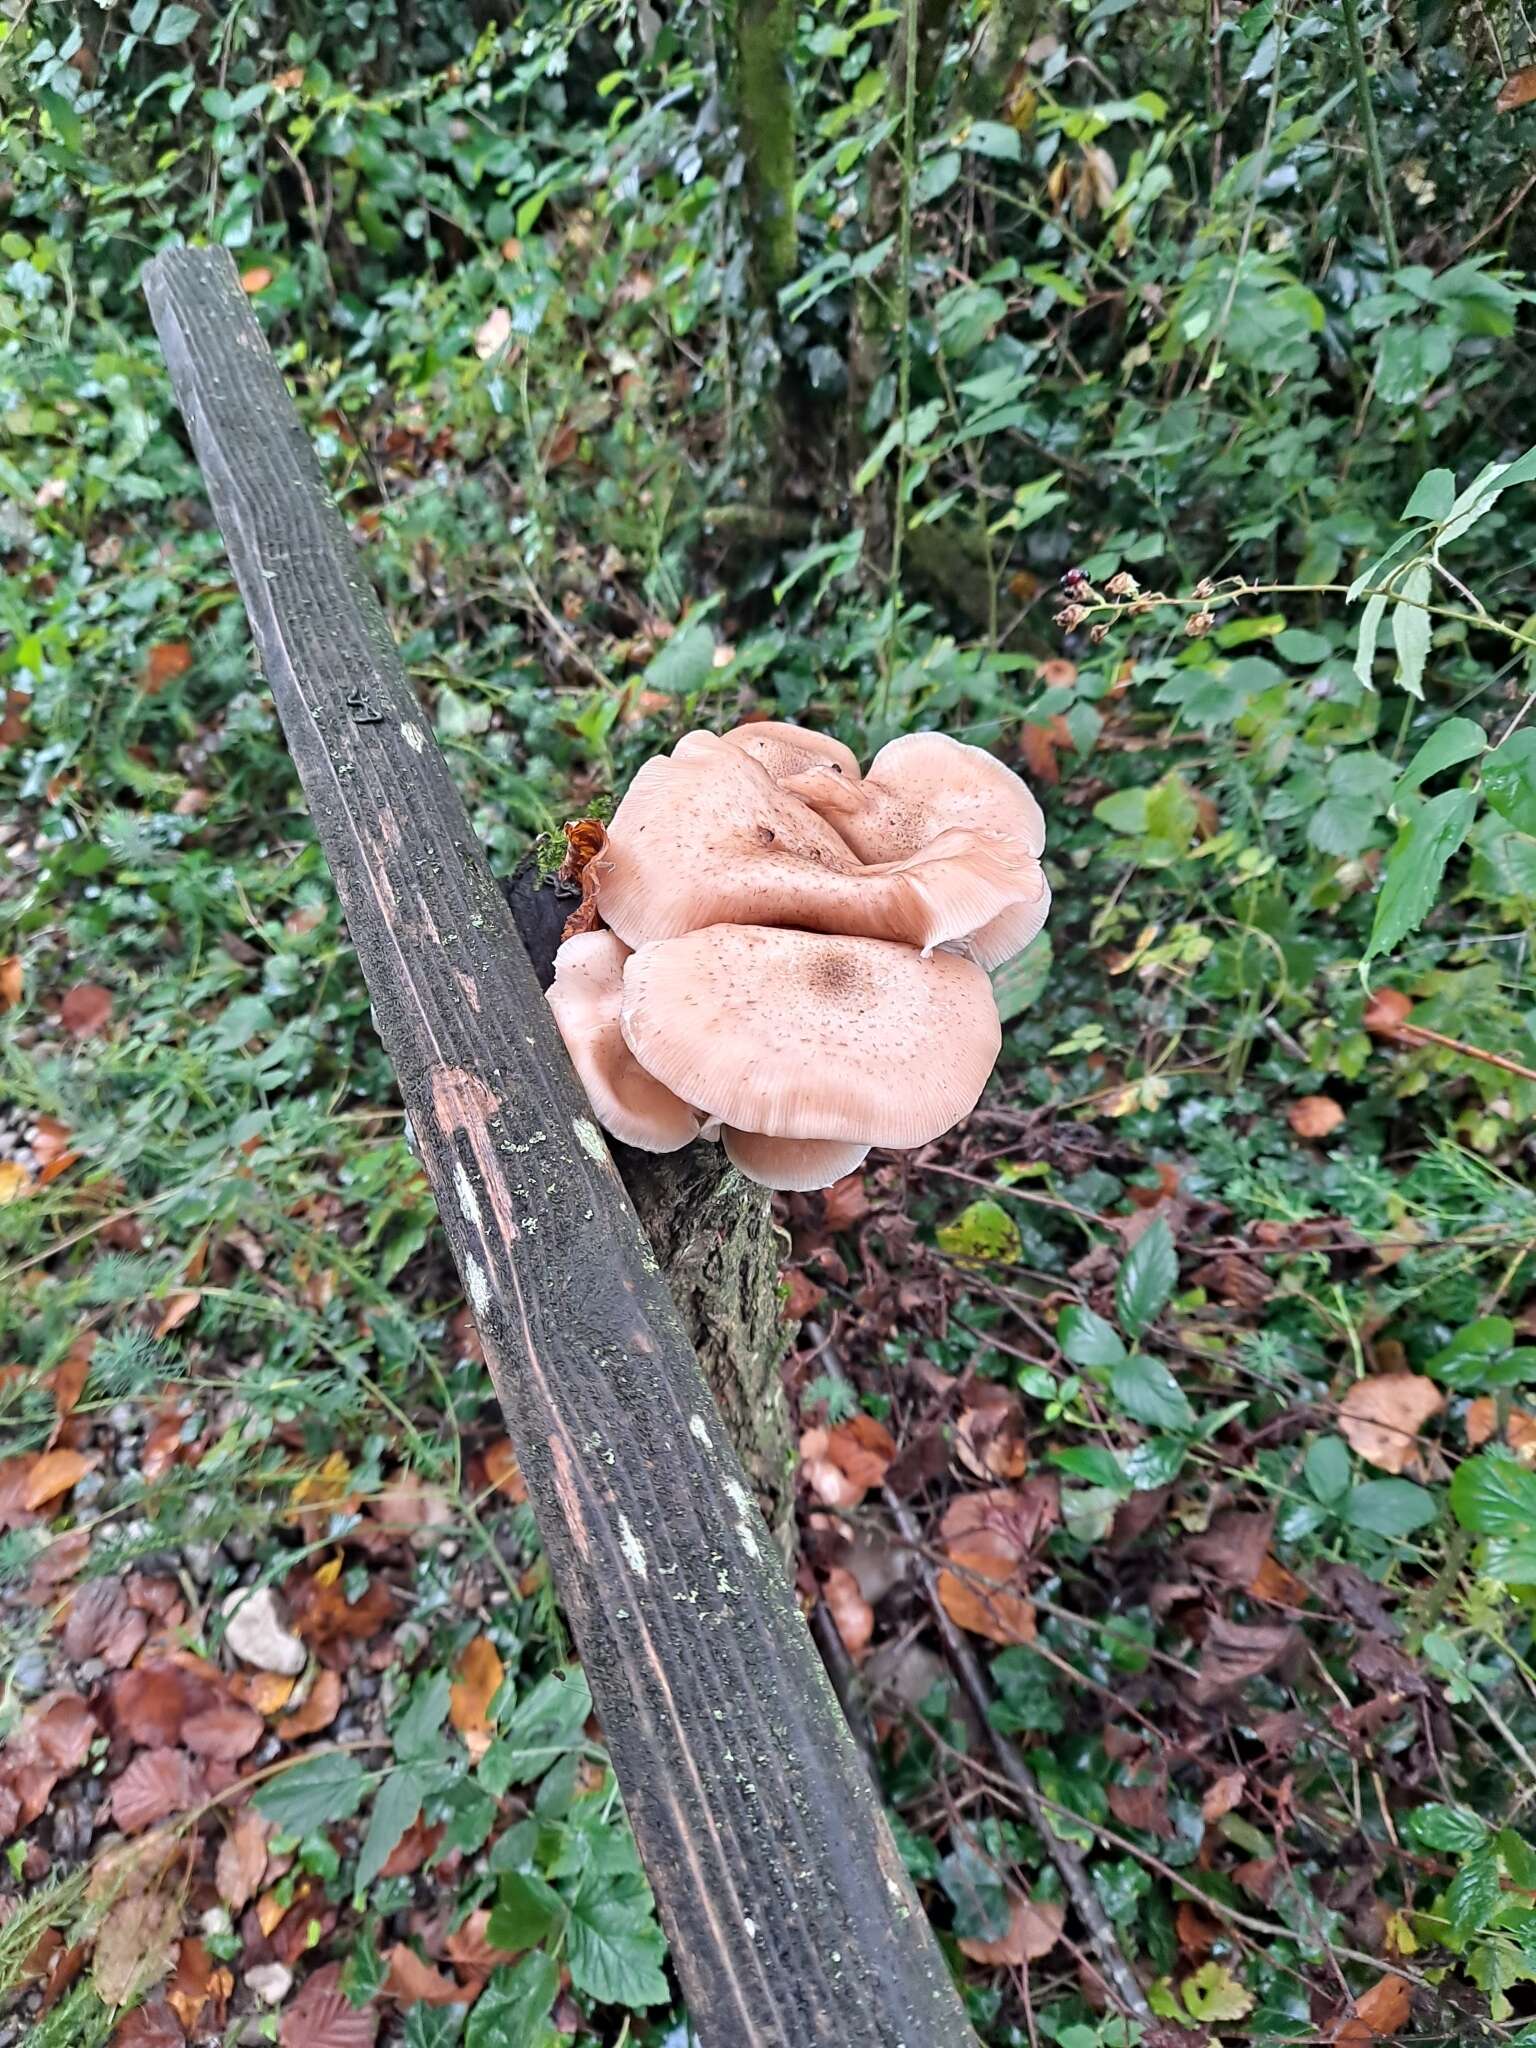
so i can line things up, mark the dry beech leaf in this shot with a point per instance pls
(151, 2025)
(67, 1380)
(256, 279)
(1380, 1419)
(1314, 1116)
(852, 1613)
(503, 1472)
(1223, 1795)
(1380, 2013)
(176, 1311)
(85, 1009)
(164, 663)
(842, 1464)
(413, 1982)
(133, 1946)
(101, 1624)
(59, 1731)
(154, 1785)
(1034, 1929)
(1518, 90)
(1482, 1419)
(10, 981)
(976, 1594)
(1235, 1651)
(55, 1472)
(317, 1710)
(845, 1202)
(472, 1953)
(1281, 1588)
(242, 1860)
(321, 2017)
(149, 1703)
(477, 1676)
(225, 1732)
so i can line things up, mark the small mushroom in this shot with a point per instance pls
(794, 1034)
(706, 837)
(794, 1165)
(585, 996)
(924, 784)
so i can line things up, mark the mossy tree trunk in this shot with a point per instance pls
(765, 111)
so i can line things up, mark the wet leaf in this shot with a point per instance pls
(1147, 1278)
(982, 1235)
(1236, 1651)
(1215, 1993)
(1380, 1418)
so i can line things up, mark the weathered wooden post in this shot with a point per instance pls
(790, 1914)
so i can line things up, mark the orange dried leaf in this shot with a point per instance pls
(477, 1676)
(1034, 1929)
(167, 661)
(413, 1982)
(852, 1613)
(503, 1472)
(256, 279)
(978, 1596)
(55, 1472)
(10, 981)
(841, 1464)
(1518, 90)
(316, 1711)
(1380, 1419)
(1482, 1419)
(1314, 1116)
(177, 1309)
(1387, 1012)
(15, 1181)
(1272, 1582)
(225, 1732)
(1386, 2007)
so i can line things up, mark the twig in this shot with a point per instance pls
(1368, 129)
(1117, 1971)
(1408, 1033)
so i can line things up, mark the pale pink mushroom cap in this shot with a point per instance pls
(706, 837)
(788, 750)
(794, 1165)
(586, 995)
(927, 783)
(797, 1034)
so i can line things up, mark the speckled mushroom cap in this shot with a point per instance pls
(925, 783)
(585, 997)
(793, 1165)
(788, 750)
(706, 837)
(798, 1034)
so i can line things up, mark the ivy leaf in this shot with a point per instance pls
(513, 2009)
(1411, 626)
(1509, 781)
(1147, 1391)
(1214, 1993)
(1415, 866)
(312, 1794)
(397, 1805)
(980, 1897)
(1086, 1339)
(1454, 741)
(984, 1234)
(1147, 1278)
(613, 1944)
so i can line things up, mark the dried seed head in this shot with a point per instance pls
(1202, 622)
(1123, 584)
(1204, 588)
(1069, 616)
(1098, 633)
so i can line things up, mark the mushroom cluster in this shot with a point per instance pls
(795, 957)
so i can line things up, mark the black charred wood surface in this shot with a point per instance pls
(790, 1915)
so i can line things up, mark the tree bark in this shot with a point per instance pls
(765, 111)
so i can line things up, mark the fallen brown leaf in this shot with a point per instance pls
(150, 1703)
(477, 1676)
(503, 1472)
(86, 1009)
(154, 1785)
(1518, 90)
(10, 981)
(256, 279)
(151, 2025)
(1381, 2012)
(1387, 1012)
(471, 1951)
(841, 1464)
(100, 1623)
(1380, 1419)
(1223, 1795)
(1034, 1928)
(1236, 1651)
(1314, 1116)
(321, 2016)
(55, 1472)
(59, 1731)
(852, 1613)
(133, 1946)
(413, 1982)
(845, 1202)
(66, 1382)
(1482, 1420)
(225, 1732)
(317, 1710)
(242, 1859)
(177, 1308)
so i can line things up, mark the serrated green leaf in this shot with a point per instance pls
(1451, 743)
(684, 664)
(1370, 632)
(395, 1806)
(1415, 866)
(1086, 1338)
(1494, 1495)
(1455, 1829)
(613, 1944)
(1147, 1278)
(1473, 1893)
(1411, 629)
(1509, 781)
(314, 1793)
(513, 2009)
(1147, 1391)
(1020, 982)
(526, 1909)
(544, 1724)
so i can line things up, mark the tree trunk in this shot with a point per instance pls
(765, 109)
